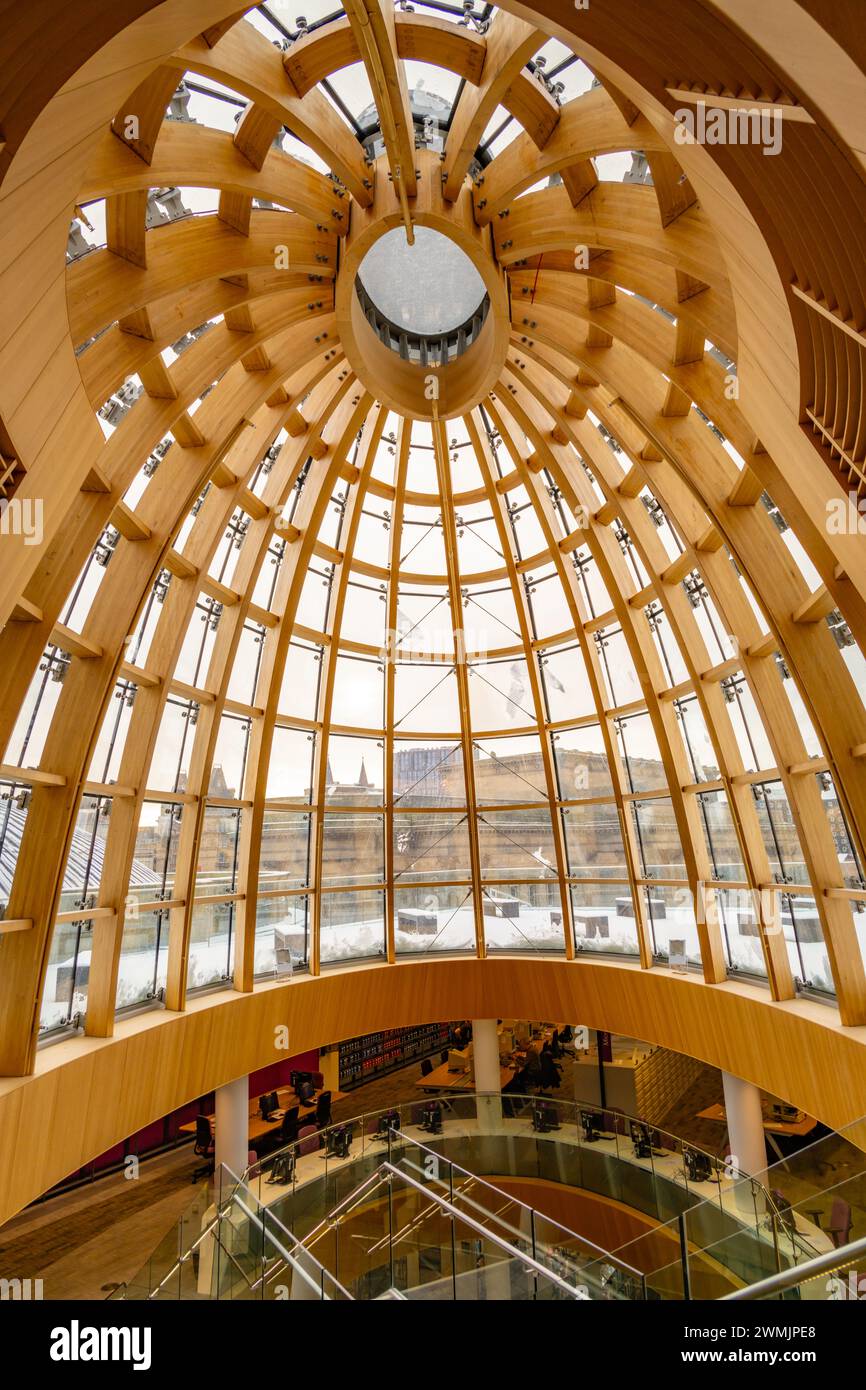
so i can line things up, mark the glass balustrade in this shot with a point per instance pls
(405, 1199)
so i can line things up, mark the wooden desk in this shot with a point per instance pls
(772, 1125)
(444, 1080)
(258, 1127)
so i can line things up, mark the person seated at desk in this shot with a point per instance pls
(551, 1076)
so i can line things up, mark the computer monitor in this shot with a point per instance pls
(268, 1104)
(590, 1121)
(306, 1092)
(298, 1076)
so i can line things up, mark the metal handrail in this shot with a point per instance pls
(600, 1252)
(799, 1274)
(474, 1225)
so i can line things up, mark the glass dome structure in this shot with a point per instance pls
(292, 680)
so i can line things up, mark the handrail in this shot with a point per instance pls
(474, 1225)
(799, 1274)
(600, 1252)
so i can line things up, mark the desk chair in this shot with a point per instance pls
(426, 1067)
(323, 1110)
(318, 1080)
(443, 1057)
(204, 1146)
(288, 1131)
(841, 1221)
(308, 1140)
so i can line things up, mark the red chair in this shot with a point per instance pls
(308, 1140)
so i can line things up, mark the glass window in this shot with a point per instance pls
(211, 946)
(218, 852)
(431, 846)
(523, 917)
(428, 774)
(643, 763)
(604, 920)
(671, 916)
(658, 838)
(593, 841)
(353, 925)
(290, 765)
(282, 935)
(284, 855)
(566, 683)
(720, 835)
(516, 844)
(440, 919)
(141, 974)
(352, 849)
(509, 770)
(581, 763)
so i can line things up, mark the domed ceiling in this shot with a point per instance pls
(473, 597)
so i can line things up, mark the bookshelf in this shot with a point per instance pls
(375, 1054)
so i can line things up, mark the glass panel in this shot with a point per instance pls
(353, 925)
(83, 870)
(525, 918)
(429, 774)
(425, 698)
(500, 695)
(593, 841)
(431, 846)
(229, 759)
(658, 838)
(433, 920)
(155, 854)
(738, 911)
(211, 949)
(355, 771)
(566, 684)
(359, 693)
(143, 957)
(282, 935)
(671, 915)
(603, 916)
(290, 765)
(516, 844)
(352, 849)
(581, 763)
(509, 770)
(643, 764)
(780, 833)
(720, 836)
(217, 856)
(284, 861)
(67, 975)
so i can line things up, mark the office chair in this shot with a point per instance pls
(288, 1131)
(443, 1056)
(323, 1110)
(204, 1146)
(427, 1066)
(308, 1140)
(318, 1079)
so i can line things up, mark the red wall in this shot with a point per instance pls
(164, 1131)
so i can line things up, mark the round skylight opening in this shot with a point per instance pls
(429, 288)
